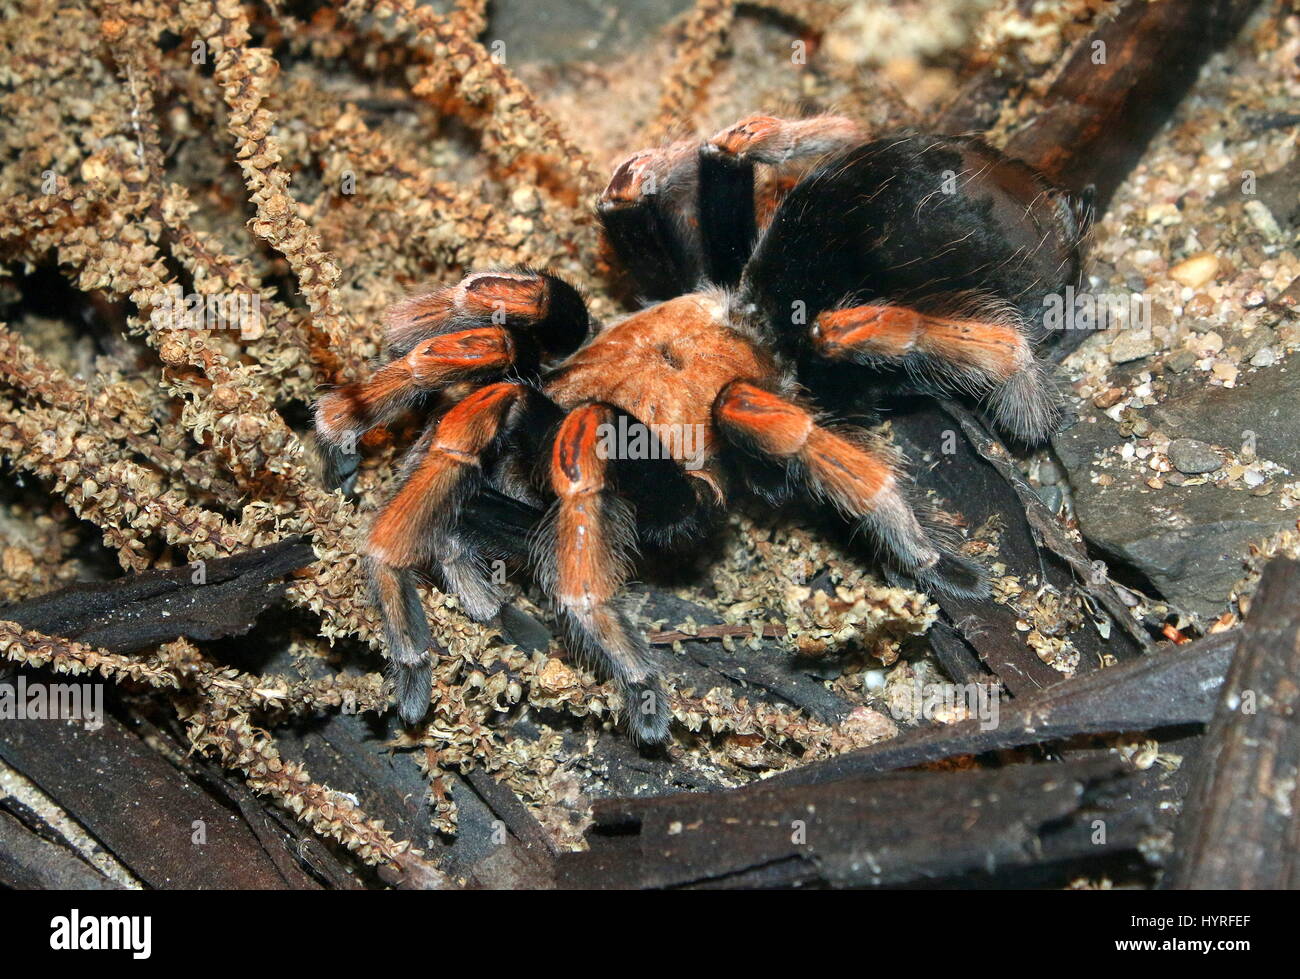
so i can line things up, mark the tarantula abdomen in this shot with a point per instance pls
(919, 220)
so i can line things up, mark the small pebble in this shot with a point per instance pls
(1051, 496)
(1257, 341)
(1211, 343)
(1193, 458)
(1225, 372)
(1180, 361)
(1108, 398)
(1265, 357)
(1196, 271)
(1130, 346)
(1263, 220)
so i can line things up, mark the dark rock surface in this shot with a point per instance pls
(576, 30)
(1188, 541)
(1264, 402)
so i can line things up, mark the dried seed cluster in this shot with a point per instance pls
(147, 167)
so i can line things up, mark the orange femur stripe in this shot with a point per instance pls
(772, 424)
(587, 562)
(434, 363)
(471, 424)
(576, 467)
(511, 295)
(995, 349)
(405, 321)
(848, 474)
(443, 358)
(883, 331)
(396, 537)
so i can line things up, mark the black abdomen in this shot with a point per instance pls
(911, 219)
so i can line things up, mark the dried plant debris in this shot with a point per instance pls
(211, 203)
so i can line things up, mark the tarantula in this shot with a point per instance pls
(786, 262)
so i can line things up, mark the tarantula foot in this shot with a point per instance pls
(954, 575)
(646, 703)
(339, 469)
(634, 179)
(412, 689)
(747, 137)
(1027, 406)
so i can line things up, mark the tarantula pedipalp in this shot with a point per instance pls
(916, 260)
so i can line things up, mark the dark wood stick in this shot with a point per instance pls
(221, 598)
(28, 862)
(1169, 688)
(1238, 828)
(872, 831)
(1120, 86)
(141, 808)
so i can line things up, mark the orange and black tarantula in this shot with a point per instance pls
(790, 267)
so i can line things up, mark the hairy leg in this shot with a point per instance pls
(846, 469)
(422, 527)
(584, 556)
(489, 323)
(981, 352)
(648, 213)
(779, 142)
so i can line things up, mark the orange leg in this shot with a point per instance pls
(585, 559)
(986, 355)
(419, 528)
(844, 468)
(534, 306)
(766, 139)
(346, 414)
(488, 323)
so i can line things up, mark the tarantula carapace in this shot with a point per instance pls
(789, 263)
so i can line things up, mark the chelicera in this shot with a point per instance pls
(789, 269)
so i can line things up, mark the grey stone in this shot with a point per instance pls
(1263, 357)
(1194, 458)
(1279, 191)
(1265, 402)
(1190, 542)
(1051, 496)
(1180, 360)
(1131, 345)
(1257, 341)
(563, 31)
